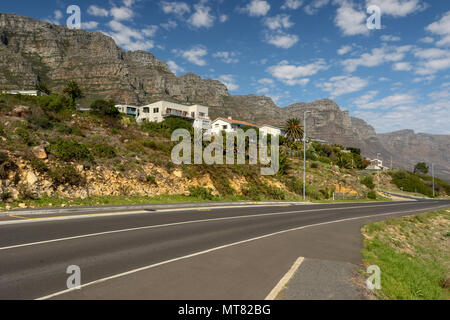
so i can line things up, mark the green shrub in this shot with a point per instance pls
(259, 191)
(26, 194)
(53, 102)
(314, 165)
(24, 133)
(66, 175)
(105, 108)
(324, 160)
(411, 183)
(368, 182)
(372, 195)
(38, 165)
(5, 195)
(201, 193)
(69, 150)
(294, 185)
(104, 151)
(151, 180)
(176, 123)
(41, 121)
(6, 165)
(165, 147)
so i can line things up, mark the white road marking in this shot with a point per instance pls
(227, 246)
(31, 219)
(182, 223)
(282, 283)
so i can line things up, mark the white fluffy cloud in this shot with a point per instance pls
(97, 11)
(223, 18)
(397, 8)
(377, 57)
(278, 22)
(226, 56)
(194, 55)
(201, 17)
(292, 4)
(432, 60)
(122, 13)
(350, 20)
(256, 8)
(402, 66)
(315, 5)
(174, 67)
(229, 81)
(129, 38)
(441, 28)
(344, 50)
(389, 102)
(291, 74)
(341, 85)
(169, 25)
(282, 40)
(177, 8)
(89, 25)
(390, 38)
(399, 111)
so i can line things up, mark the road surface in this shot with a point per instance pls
(217, 253)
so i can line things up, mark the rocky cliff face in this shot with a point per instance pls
(33, 51)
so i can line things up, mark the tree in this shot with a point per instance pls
(421, 167)
(74, 92)
(43, 88)
(105, 108)
(293, 129)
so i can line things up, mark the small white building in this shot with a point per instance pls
(35, 93)
(272, 130)
(376, 162)
(228, 125)
(161, 110)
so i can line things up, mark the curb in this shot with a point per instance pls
(148, 207)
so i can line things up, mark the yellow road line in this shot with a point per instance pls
(19, 217)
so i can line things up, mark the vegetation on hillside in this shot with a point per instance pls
(103, 139)
(413, 254)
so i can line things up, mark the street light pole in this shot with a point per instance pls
(378, 161)
(304, 154)
(432, 173)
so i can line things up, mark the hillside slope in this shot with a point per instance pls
(34, 51)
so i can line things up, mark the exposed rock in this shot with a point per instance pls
(20, 111)
(39, 152)
(31, 178)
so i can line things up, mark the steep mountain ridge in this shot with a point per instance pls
(33, 51)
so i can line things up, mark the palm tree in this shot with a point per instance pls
(293, 129)
(73, 91)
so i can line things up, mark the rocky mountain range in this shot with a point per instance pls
(33, 51)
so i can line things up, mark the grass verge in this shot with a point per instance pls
(121, 200)
(413, 254)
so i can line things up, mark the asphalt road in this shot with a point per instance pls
(218, 253)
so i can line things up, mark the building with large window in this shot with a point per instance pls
(159, 111)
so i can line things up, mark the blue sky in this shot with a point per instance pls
(396, 77)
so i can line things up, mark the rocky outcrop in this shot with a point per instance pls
(34, 51)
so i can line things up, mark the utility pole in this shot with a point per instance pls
(391, 163)
(432, 173)
(304, 154)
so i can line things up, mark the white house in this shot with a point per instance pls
(228, 125)
(272, 130)
(161, 110)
